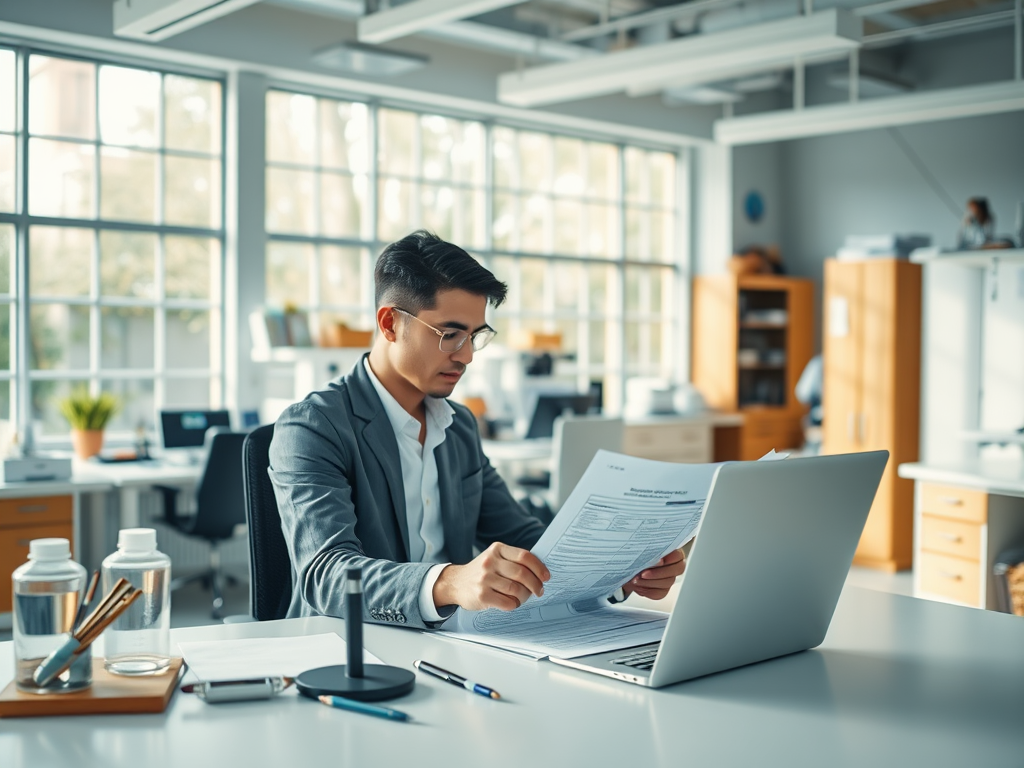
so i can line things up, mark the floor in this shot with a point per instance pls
(190, 606)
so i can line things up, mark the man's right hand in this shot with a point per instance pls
(501, 577)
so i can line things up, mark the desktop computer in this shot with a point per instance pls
(550, 407)
(184, 433)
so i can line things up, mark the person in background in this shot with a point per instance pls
(379, 470)
(978, 227)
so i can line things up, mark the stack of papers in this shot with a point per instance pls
(624, 515)
(256, 657)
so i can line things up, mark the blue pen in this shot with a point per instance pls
(454, 679)
(339, 702)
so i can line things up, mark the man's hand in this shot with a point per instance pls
(655, 582)
(500, 577)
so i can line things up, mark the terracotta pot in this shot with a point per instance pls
(86, 442)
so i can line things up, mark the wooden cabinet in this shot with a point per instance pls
(872, 352)
(960, 534)
(752, 337)
(951, 560)
(22, 520)
(671, 440)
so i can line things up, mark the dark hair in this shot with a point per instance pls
(981, 203)
(412, 271)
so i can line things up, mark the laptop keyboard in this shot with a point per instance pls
(640, 659)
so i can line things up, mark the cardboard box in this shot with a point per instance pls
(535, 341)
(340, 335)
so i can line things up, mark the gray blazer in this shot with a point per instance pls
(337, 475)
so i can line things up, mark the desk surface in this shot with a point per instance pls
(136, 474)
(1005, 478)
(89, 477)
(898, 682)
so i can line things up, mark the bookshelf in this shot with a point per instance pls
(752, 337)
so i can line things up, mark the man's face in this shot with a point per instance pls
(416, 354)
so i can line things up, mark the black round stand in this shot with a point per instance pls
(369, 682)
(377, 683)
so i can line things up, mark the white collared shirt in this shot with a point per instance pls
(420, 481)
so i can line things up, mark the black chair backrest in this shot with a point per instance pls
(270, 567)
(220, 500)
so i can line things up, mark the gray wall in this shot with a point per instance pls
(867, 183)
(819, 190)
(864, 183)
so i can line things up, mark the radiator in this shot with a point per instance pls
(189, 554)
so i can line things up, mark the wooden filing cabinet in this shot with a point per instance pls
(673, 440)
(24, 519)
(872, 351)
(952, 558)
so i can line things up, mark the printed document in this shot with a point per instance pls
(624, 515)
(265, 656)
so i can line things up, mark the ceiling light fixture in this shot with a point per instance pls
(417, 15)
(687, 61)
(155, 20)
(369, 59)
(946, 104)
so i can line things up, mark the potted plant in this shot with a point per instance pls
(88, 417)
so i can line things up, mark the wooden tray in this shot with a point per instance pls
(108, 695)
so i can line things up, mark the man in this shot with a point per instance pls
(380, 471)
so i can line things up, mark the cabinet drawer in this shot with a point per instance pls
(950, 501)
(950, 577)
(35, 510)
(951, 537)
(675, 440)
(14, 551)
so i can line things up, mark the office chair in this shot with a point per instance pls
(574, 442)
(270, 567)
(220, 506)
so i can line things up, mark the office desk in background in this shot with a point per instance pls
(88, 509)
(898, 682)
(685, 439)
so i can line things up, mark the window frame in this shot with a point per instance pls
(614, 368)
(20, 374)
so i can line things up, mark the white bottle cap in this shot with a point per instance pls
(137, 539)
(49, 550)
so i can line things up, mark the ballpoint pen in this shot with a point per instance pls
(459, 680)
(367, 709)
(218, 691)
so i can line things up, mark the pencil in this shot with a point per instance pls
(86, 601)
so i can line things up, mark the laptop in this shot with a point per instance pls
(765, 572)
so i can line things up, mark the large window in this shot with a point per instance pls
(9, 135)
(584, 232)
(120, 217)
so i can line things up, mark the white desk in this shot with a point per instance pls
(898, 682)
(132, 478)
(94, 521)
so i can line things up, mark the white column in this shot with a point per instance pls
(245, 257)
(712, 209)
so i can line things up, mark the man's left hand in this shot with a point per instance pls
(655, 582)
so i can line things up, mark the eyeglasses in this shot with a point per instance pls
(452, 341)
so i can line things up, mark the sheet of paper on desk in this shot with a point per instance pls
(565, 631)
(623, 516)
(265, 656)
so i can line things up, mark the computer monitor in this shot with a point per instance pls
(550, 407)
(187, 429)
